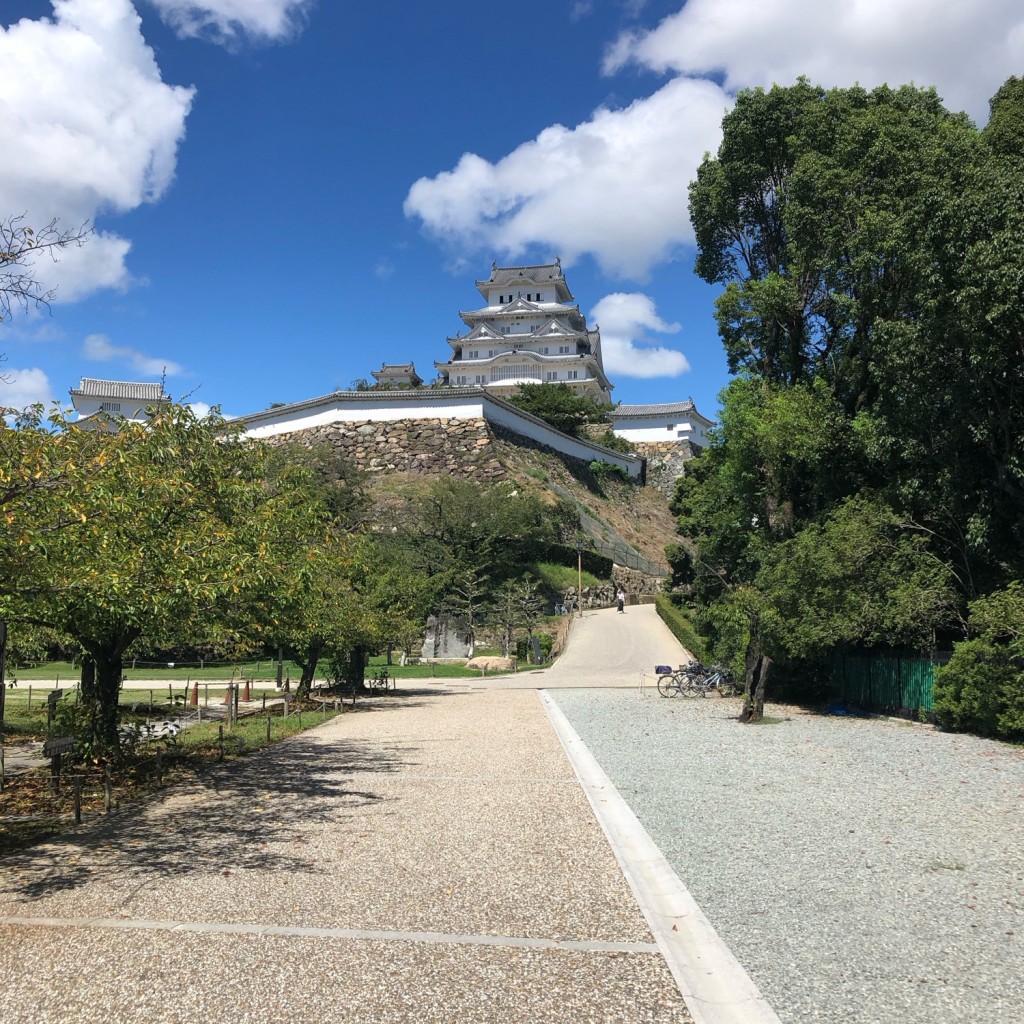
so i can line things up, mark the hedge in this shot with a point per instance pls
(682, 628)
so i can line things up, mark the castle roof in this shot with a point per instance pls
(133, 391)
(540, 274)
(687, 408)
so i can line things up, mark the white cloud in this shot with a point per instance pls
(625, 320)
(96, 130)
(614, 186)
(965, 49)
(227, 20)
(201, 409)
(21, 388)
(99, 347)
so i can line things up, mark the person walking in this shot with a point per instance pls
(620, 600)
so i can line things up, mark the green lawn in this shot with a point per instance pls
(263, 671)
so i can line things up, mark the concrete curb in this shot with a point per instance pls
(713, 983)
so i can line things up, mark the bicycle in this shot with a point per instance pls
(672, 682)
(694, 680)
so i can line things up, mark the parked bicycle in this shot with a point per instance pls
(694, 680)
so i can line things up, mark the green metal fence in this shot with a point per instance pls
(880, 683)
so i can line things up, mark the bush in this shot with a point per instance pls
(609, 439)
(682, 628)
(981, 690)
(602, 470)
(524, 649)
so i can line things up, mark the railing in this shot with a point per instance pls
(622, 554)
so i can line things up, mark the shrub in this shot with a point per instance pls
(523, 649)
(602, 470)
(981, 690)
(682, 628)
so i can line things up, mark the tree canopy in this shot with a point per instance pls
(559, 405)
(867, 477)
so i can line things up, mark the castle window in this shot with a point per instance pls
(573, 374)
(110, 406)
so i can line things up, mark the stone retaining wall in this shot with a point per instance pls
(666, 462)
(452, 447)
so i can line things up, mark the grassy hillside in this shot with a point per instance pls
(614, 514)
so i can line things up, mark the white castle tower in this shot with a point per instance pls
(530, 331)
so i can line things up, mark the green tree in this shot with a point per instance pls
(560, 406)
(866, 477)
(981, 689)
(154, 529)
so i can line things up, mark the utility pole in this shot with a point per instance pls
(579, 575)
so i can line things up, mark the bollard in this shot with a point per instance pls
(78, 800)
(194, 700)
(206, 694)
(264, 708)
(220, 742)
(108, 795)
(245, 694)
(268, 728)
(227, 696)
(170, 694)
(150, 703)
(30, 696)
(159, 771)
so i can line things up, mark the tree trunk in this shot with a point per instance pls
(109, 667)
(88, 684)
(308, 664)
(355, 669)
(758, 670)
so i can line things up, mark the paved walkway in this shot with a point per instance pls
(435, 857)
(432, 859)
(606, 648)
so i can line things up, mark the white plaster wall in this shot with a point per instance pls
(377, 409)
(546, 435)
(130, 409)
(658, 430)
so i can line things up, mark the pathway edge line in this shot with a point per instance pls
(713, 983)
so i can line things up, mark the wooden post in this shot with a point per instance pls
(159, 770)
(78, 800)
(220, 742)
(108, 795)
(268, 728)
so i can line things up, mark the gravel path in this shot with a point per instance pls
(861, 870)
(429, 859)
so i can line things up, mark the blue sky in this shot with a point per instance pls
(289, 192)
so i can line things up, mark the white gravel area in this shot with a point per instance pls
(862, 870)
